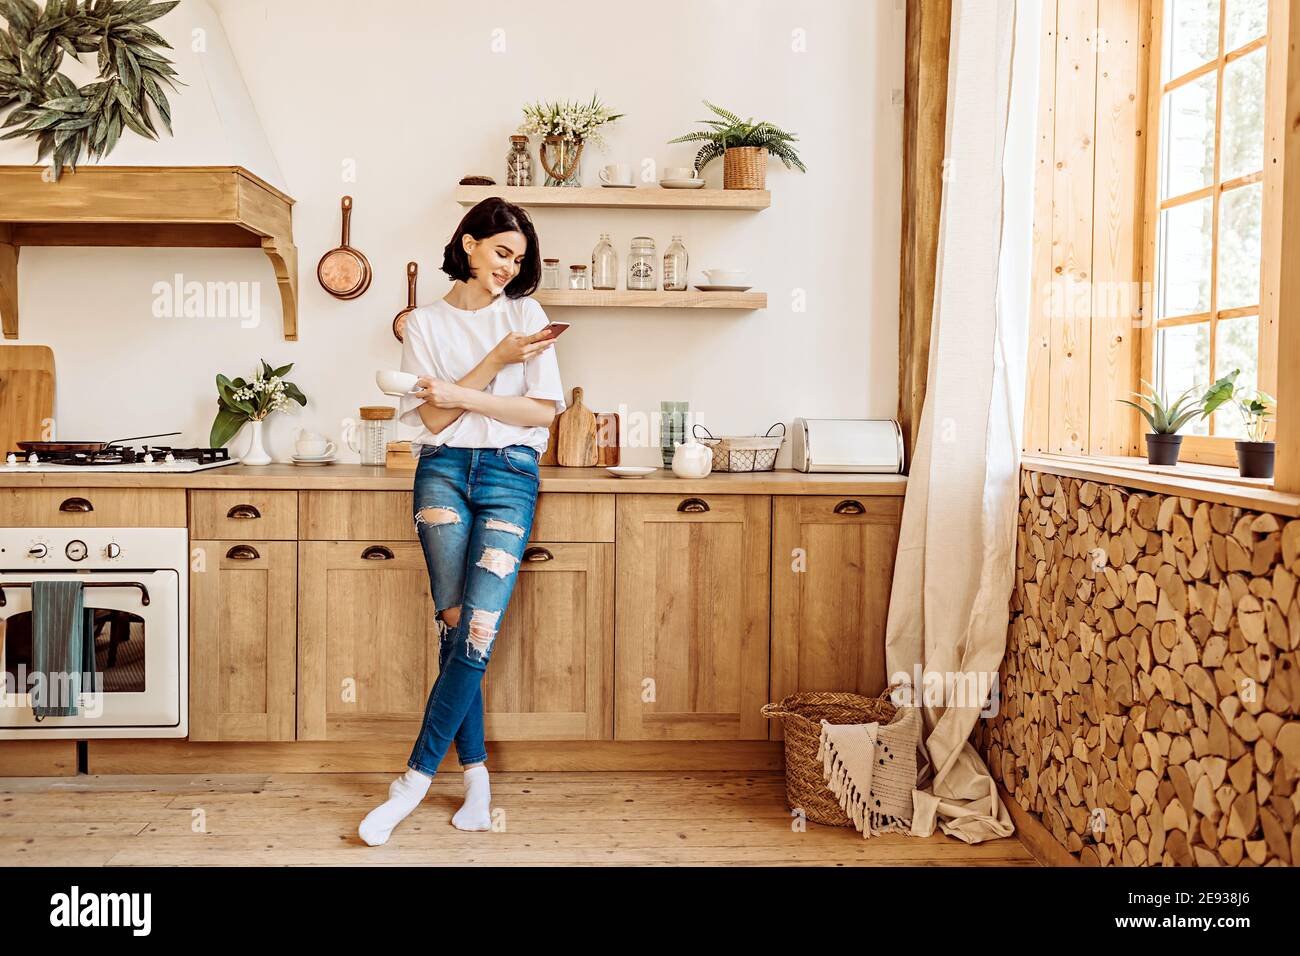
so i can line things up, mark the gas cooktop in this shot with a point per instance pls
(122, 458)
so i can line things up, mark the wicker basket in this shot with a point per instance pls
(743, 452)
(805, 783)
(744, 167)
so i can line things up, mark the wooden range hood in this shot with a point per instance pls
(181, 206)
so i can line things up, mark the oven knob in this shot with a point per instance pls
(38, 550)
(76, 550)
(112, 550)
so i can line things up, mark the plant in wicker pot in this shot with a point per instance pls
(565, 129)
(1256, 456)
(743, 145)
(1163, 441)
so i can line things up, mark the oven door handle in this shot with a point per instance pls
(144, 591)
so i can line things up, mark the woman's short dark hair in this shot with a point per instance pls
(489, 218)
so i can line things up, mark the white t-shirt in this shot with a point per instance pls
(446, 343)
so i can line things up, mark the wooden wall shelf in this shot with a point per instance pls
(183, 206)
(640, 197)
(624, 298)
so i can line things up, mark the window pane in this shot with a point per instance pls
(1188, 142)
(1239, 263)
(1184, 279)
(1183, 361)
(1243, 116)
(1246, 20)
(1192, 35)
(1236, 345)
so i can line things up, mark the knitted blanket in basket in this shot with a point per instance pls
(871, 769)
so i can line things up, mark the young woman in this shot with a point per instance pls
(489, 387)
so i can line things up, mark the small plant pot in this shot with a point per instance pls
(1163, 449)
(1255, 458)
(744, 167)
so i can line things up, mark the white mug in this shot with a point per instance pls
(680, 172)
(616, 174)
(393, 382)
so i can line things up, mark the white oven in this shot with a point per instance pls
(134, 590)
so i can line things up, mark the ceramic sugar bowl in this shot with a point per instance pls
(692, 459)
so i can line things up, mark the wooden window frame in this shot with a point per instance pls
(1212, 449)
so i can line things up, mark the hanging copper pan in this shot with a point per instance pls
(412, 271)
(344, 272)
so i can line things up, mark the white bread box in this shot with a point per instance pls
(873, 446)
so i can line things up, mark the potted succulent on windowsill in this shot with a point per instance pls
(743, 145)
(1164, 442)
(1256, 455)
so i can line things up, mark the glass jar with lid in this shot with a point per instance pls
(519, 163)
(577, 277)
(550, 273)
(641, 265)
(370, 436)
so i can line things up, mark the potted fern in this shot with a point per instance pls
(1256, 456)
(743, 145)
(1165, 418)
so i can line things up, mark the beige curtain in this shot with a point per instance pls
(952, 579)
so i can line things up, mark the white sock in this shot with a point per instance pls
(476, 812)
(404, 795)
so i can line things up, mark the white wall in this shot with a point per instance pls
(413, 93)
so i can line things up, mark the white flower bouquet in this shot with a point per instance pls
(239, 401)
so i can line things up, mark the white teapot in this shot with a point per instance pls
(692, 459)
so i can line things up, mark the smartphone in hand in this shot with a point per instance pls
(553, 330)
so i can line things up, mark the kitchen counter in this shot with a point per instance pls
(377, 478)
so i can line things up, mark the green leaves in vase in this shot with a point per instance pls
(239, 401)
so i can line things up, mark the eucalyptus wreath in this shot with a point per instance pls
(67, 121)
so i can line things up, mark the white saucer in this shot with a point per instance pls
(314, 461)
(630, 471)
(618, 185)
(681, 183)
(724, 288)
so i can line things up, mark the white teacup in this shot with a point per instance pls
(393, 382)
(314, 447)
(726, 276)
(616, 174)
(680, 172)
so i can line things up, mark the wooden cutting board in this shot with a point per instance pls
(26, 394)
(607, 439)
(576, 434)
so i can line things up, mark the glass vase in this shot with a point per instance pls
(562, 161)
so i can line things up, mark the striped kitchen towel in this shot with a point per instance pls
(871, 770)
(61, 641)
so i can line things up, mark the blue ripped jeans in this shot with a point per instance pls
(473, 510)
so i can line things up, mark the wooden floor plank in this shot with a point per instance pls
(642, 818)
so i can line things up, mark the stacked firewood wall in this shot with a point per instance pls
(1151, 685)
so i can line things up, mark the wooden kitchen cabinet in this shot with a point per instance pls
(243, 632)
(551, 674)
(832, 568)
(691, 616)
(367, 641)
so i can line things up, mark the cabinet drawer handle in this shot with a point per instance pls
(538, 554)
(693, 504)
(377, 552)
(244, 511)
(243, 552)
(849, 507)
(76, 504)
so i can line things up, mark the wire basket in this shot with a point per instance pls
(743, 452)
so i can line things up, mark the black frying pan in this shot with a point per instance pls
(83, 446)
